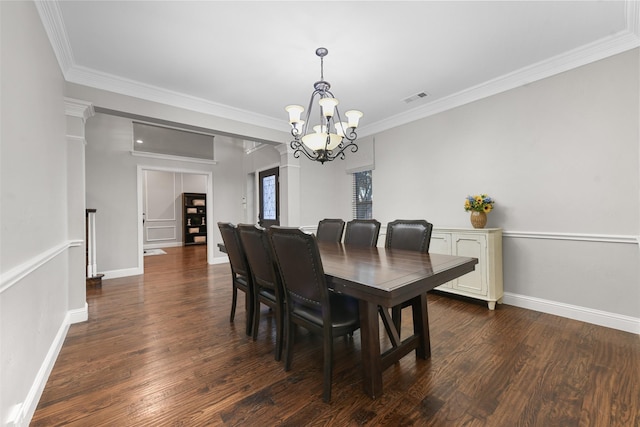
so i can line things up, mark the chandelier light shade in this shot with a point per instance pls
(330, 137)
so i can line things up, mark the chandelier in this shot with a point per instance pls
(329, 138)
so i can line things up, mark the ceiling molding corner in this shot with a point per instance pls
(51, 17)
(78, 108)
(632, 12)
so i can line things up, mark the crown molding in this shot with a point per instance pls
(78, 108)
(51, 17)
(99, 80)
(632, 13)
(583, 55)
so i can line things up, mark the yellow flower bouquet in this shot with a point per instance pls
(478, 203)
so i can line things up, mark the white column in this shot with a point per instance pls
(289, 187)
(76, 112)
(92, 263)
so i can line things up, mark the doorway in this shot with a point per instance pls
(269, 197)
(166, 227)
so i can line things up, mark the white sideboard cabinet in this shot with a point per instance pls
(485, 282)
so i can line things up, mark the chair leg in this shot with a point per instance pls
(248, 304)
(256, 317)
(234, 297)
(279, 333)
(328, 367)
(290, 327)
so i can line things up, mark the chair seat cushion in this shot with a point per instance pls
(241, 282)
(268, 294)
(344, 312)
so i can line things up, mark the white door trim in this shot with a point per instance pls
(209, 174)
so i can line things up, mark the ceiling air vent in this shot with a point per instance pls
(415, 97)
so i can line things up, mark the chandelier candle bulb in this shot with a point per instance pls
(294, 113)
(354, 117)
(328, 106)
(340, 127)
(320, 129)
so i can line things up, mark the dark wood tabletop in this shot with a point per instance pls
(388, 276)
(382, 278)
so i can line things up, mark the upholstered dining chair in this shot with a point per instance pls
(267, 286)
(410, 235)
(330, 230)
(240, 273)
(309, 303)
(362, 232)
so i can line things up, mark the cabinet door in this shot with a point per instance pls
(475, 246)
(441, 244)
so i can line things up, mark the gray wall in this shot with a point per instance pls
(112, 189)
(36, 254)
(325, 192)
(561, 158)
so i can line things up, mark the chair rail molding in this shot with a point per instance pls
(548, 235)
(584, 237)
(21, 271)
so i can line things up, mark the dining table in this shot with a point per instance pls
(382, 278)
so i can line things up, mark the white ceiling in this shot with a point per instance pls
(248, 60)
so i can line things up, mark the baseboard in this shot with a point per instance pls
(125, 272)
(163, 245)
(79, 314)
(220, 260)
(22, 414)
(583, 314)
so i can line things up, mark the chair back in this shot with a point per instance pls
(235, 251)
(362, 232)
(330, 230)
(300, 266)
(411, 235)
(260, 257)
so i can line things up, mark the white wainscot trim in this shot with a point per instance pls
(582, 237)
(21, 271)
(157, 227)
(583, 314)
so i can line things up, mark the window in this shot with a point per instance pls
(362, 195)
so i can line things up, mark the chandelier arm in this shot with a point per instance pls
(350, 134)
(298, 148)
(310, 153)
(305, 127)
(353, 147)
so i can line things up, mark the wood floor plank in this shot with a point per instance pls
(159, 350)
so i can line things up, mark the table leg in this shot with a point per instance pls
(370, 345)
(421, 325)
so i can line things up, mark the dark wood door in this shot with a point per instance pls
(269, 197)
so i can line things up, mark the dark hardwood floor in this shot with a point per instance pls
(158, 350)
